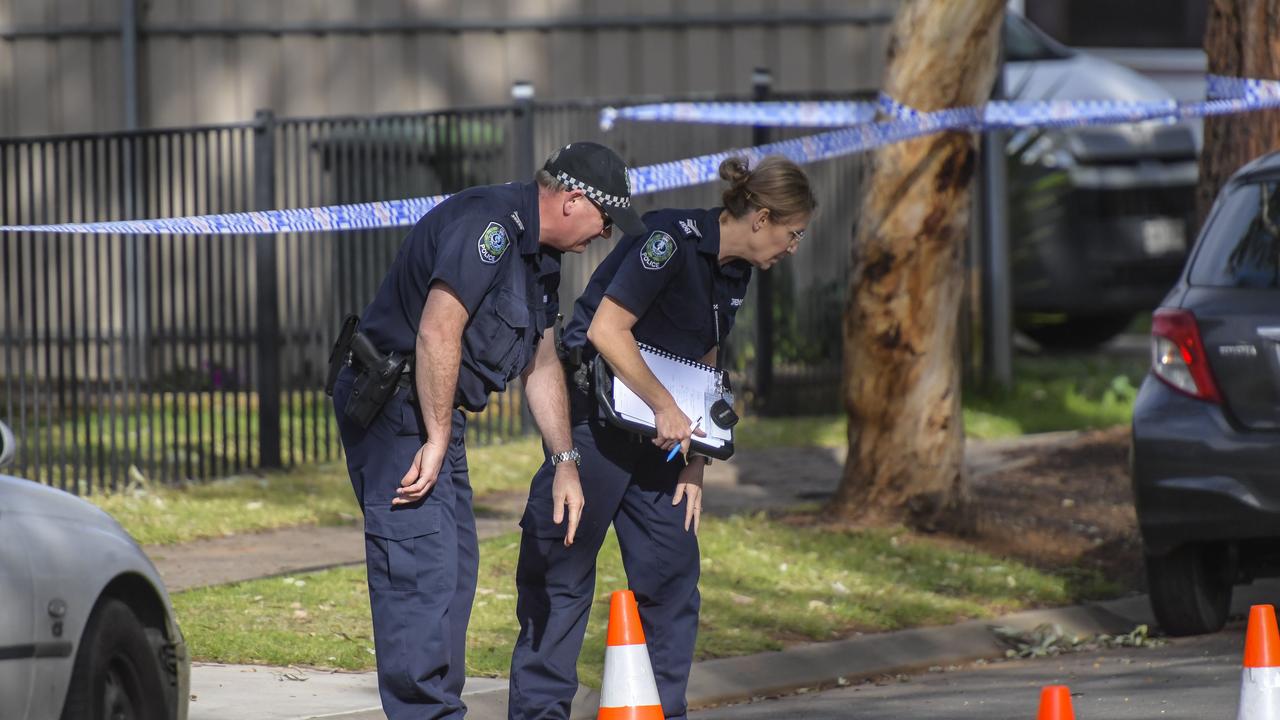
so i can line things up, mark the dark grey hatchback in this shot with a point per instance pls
(1206, 424)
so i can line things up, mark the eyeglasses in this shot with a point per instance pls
(604, 217)
(796, 237)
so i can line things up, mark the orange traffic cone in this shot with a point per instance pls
(629, 691)
(1260, 686)
(1055, 703)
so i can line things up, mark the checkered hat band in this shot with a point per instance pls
(599, 197)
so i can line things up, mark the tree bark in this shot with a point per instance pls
(901, 371)
(1242, 39)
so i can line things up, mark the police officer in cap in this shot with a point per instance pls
(676, 287)
(471, 298)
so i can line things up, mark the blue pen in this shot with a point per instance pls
(672, 455)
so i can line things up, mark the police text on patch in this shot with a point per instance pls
(492, 244)
(657, 251)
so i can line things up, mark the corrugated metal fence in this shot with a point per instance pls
(186, 357)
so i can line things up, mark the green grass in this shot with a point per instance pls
(1058, 394)
(765, 583)
(758, 433)
(161, 514)
(186, 435)
(307, 495)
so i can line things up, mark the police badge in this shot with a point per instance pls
(492, 244)
(657, 251)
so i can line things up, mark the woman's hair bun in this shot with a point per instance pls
(734, 170)
(775, 184)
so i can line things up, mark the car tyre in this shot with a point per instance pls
(1190, 589)
(117, 673)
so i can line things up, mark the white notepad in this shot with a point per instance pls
(693, 385)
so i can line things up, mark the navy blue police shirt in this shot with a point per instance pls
(670, 278)
(483, 244)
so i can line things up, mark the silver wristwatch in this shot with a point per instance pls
(571, 454)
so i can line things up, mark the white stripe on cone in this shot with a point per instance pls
(1260, 694)
(628, 677)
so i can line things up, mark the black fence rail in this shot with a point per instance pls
(175, 358)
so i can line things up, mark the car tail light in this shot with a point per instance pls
(1178, 357)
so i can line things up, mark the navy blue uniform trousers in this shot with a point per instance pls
(629, 484)
(422, 558)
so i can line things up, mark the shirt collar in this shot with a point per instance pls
(549, 262)
(527, 210)
(709, 244)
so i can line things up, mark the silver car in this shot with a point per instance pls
(86, 626)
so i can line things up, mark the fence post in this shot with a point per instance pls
(997, 293)
(268, 319)
(761, 83)
(523, 165)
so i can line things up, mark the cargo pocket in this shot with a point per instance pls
(537, 519)
(506, 334)
(410, 416)
(399, 547)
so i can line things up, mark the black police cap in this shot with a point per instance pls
(602, 175)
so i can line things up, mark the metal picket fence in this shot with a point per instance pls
(186, 357)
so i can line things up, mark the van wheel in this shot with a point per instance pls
(117, 674)
(1191, 588)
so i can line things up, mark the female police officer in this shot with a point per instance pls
(677, 286)
(470, 294)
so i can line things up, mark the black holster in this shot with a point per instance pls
(576, 372)
(377, 374)
(340, 355)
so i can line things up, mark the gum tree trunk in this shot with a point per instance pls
(901, 372)
(1242, 39)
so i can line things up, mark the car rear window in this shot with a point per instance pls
(1241, 247)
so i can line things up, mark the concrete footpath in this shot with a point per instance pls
(223, 692)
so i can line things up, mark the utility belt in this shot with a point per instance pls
(378, 375)
(577, 373)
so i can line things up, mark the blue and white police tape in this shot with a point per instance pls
(848, 114)
(1008, 114)
(1221, 88)
(1228, 95)
(401, 213)
(768, 114)
(392, 213)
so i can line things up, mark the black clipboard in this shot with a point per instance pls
(602, 388)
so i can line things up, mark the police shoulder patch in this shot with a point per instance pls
(657, 250)
(493, 243)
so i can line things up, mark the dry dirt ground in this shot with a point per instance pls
(1060, 500)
